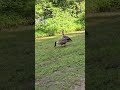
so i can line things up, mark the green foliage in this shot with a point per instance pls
(102, 5)
(54, 17)
(16, 12)
(22, 7)
(11, 20)
(62, 20)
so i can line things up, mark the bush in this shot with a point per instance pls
(11, 20)
(102, 5)
(16, 12)
(61, 20)
(51, 19)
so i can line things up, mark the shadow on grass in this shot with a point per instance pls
(102, 53)
(17, 60)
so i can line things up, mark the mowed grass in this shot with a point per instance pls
(59, 68)
(17, 60)
(102, 53)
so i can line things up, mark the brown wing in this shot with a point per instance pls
(67, 38)
(62, 41)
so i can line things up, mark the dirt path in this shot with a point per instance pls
(81, 86)
(75, 32)
(103, 14)
(18, 28)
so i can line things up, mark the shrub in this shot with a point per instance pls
(102, 5)
(11, 20)
(60, 20)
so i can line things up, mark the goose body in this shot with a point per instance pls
(66, 37)
(64, 40)
(61, 42)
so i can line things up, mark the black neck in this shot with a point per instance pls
(55, 44)
(63, 32)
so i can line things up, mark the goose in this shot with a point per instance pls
(61, 42)
(66, 37)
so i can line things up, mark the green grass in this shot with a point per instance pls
(58, 68)
(102, 52)
(16, 60)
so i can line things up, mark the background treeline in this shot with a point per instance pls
(16, 12)
(52, 16)
(93, 6)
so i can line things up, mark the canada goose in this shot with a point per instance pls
(61, 42)
(66, 37)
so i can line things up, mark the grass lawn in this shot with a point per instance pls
(59, 68)
(16, 60)
(103, 53)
